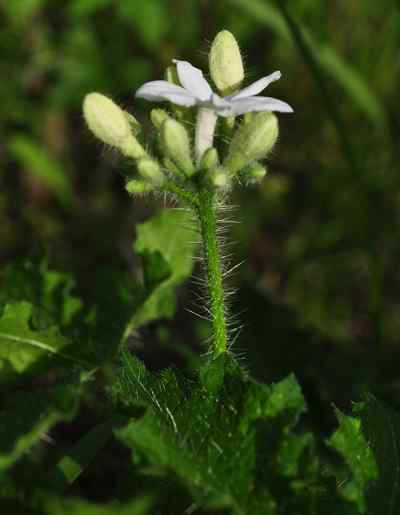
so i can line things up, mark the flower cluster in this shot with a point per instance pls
(189, 162)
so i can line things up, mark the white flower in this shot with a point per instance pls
(195, 91)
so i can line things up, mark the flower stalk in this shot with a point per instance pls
(199, 175)
(206, 212)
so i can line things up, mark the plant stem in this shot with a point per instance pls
(206, 213)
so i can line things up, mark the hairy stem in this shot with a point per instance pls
(206, 212)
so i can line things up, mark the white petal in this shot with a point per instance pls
(159, 90)
(192, 80)
(257, 86)
(247, 105)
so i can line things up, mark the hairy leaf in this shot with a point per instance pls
(233, 448)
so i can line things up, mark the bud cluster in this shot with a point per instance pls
(184, 159)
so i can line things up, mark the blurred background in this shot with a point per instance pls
(319, 290)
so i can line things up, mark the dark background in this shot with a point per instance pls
(319, 290)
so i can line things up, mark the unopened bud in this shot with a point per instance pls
(209, 159)
(150, 170)
(252, 141)
(110, 124)
(158, 116)
(225, 61)
(137, 187)
(176, 145)
(219, 178)
(171, 167)
(255, 172)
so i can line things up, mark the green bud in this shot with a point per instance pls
(171, 166)
(110, 124)
(150, 170)
(158, 116)
(209, 159)
(255, 172)
(137, 187)
(225, 62)
(176, 145)
(219, 178)
(252, 141)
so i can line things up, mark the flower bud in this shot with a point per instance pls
(176, 145)
(158, 116)
(252, 141)
(137, 187)
(210, 159)
(111, 125)
(149, 169)
(254, 173)
(218, 178)
(171, 167)
(225, 62)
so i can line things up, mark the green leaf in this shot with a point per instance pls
(381, 427)
(22, 347)
(350, 442)
(37, 161)
(164, 242)
(226, 445)
(48, 290)
(27, 416)
(82, 507)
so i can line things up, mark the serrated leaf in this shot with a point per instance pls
(381, 427)
(50, 291)
(224, 446)
(27, 416)
(164, 242)
(22, 347)
(350, 442)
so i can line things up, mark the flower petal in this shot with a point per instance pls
(192, 80)
(159, 90)
(257, 86)
(247, 105)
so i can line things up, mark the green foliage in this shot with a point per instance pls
(381, 427)
(164, 242)
(25, 418)
(351, 443)
(317, 295)
(232, 447)
(23, 348)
